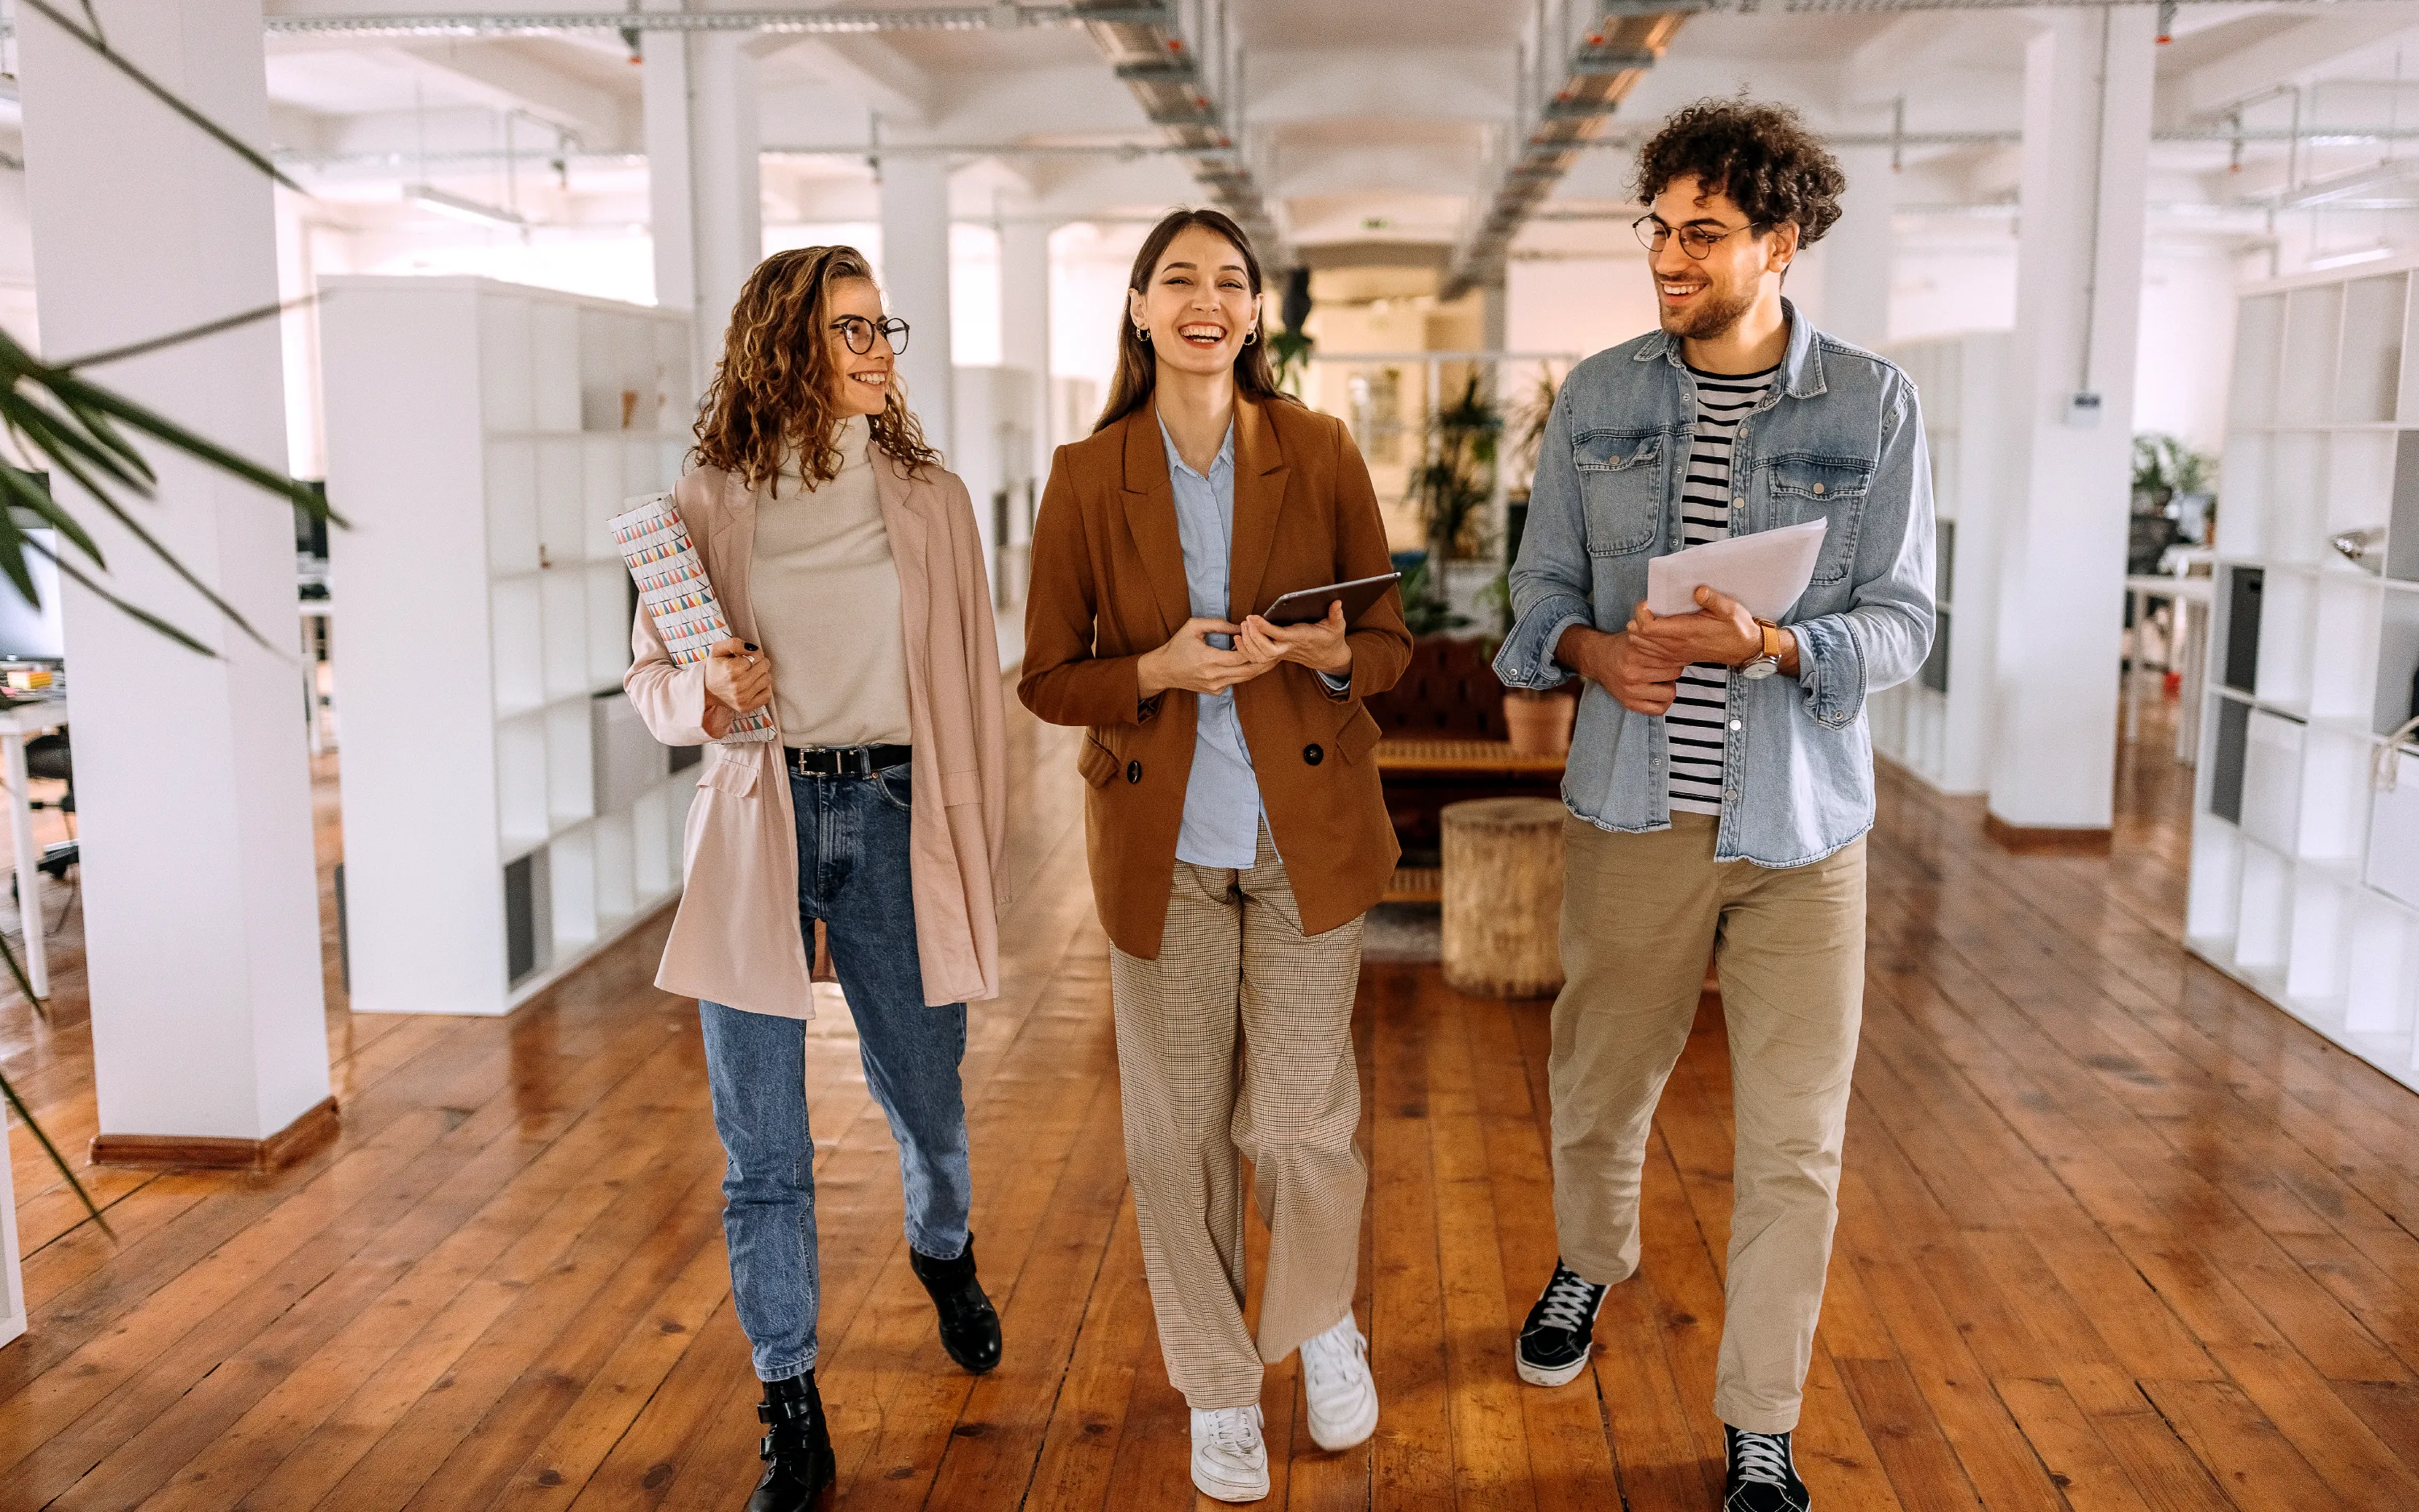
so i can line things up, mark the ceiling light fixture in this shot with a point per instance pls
(2347, 259)
(430, 197)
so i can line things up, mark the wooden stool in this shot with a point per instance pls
(1503, 897)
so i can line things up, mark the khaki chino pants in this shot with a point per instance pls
(1640, 913)
(1233, 957)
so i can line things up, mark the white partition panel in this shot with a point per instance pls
(2304, 878)
(479, 436)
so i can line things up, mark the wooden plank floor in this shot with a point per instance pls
(2116, 1235)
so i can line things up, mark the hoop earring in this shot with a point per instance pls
(1142, 334)
(1251, 335)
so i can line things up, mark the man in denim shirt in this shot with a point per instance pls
(1720, 779)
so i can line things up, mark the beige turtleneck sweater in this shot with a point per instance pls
(825, 594)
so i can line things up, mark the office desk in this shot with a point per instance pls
(323, 610)
(2187, 652)
(17, 726)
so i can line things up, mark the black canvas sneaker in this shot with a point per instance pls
(1560, 1330)
(1762, 1477)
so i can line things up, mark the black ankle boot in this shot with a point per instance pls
(797, 1450)
(969, 1327)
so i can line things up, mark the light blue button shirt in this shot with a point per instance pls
(1222, 798)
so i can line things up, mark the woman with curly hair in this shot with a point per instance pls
(847, 564)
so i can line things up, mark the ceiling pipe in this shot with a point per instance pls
(1170, 80)
(789, 22)
(1610, 57)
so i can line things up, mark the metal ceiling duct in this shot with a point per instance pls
(801, 22)
(1166, 76)
(1607, 62)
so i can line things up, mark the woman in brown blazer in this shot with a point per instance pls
(1237, 830)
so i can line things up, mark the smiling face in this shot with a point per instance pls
(860, 381)
(1700, 300)
(1199, 305)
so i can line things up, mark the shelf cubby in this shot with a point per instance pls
(2313, 327)
(2344, 647)
(2272, 782)
(2360, 480)
(2294, 529)
(2321, 915)
(2382, 969)
(463, 411)
(2213, 906)
(2332, 808)
(2287, 611)
(2264, 915)
(2369, 375)
(512, 506)
(570, 767)
(571, 863)
(2392, 866)
(2396, 662)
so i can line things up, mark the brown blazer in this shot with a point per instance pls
(1108, 585)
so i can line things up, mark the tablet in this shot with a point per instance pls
(1306, 605)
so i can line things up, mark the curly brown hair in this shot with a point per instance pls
(771, 397)
(1762, 156)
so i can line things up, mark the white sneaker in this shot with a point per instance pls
(1336, 1378)
(1230, 1461)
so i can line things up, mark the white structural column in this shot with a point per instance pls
(2061, 542)
(1025, 322)
(704, 187)
(193, 795)
(915, 283)
(1856, 252)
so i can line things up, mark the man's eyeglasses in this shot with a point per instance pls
(858, 332)
(1697, 240)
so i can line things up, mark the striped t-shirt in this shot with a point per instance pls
(1695, 728)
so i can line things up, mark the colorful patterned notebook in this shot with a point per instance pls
(673, 589)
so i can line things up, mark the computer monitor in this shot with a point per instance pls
(28, 632)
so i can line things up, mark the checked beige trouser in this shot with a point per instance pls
(1233, 956)
(1640, 914)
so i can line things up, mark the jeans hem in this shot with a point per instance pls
(928, 1251)
(786, 1372)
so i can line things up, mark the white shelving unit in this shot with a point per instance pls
(1937, 725)
(505, 812)
(12, 1273)
(2305, 881)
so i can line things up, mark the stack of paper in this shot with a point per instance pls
(674, 590)
(1766, 571)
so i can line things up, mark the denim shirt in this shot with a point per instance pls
(1840, 439)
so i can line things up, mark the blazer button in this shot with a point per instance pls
(1313, 755)
(1133, 771)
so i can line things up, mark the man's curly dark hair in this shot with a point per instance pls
(1762, 156)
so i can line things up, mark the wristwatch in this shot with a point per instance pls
(1767, 661)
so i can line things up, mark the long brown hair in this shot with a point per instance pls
(771, 394)
(1138, 364)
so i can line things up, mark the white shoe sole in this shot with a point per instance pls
(1349, 1434)
(1227, 1491)
(1539, 1376)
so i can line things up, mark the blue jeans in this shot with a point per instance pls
(853, 876)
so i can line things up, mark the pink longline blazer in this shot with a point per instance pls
(736, 939)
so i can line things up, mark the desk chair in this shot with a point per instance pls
(52, 759)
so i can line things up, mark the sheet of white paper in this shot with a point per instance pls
(1766, 571)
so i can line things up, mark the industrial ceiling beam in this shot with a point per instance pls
(798, 22)
(1170, 80)
(1605, 63)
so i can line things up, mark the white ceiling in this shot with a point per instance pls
(1361, 118)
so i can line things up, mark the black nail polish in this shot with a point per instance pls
(749, 644)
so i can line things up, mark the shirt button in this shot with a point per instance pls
(1737, 502)
(1818, 488)
(1734, 724)
(1133, 771)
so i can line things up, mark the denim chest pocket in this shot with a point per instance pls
(1804, 488)
(1621, 484)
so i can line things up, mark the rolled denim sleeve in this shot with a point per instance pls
(1882, 638)
(1550, 581)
